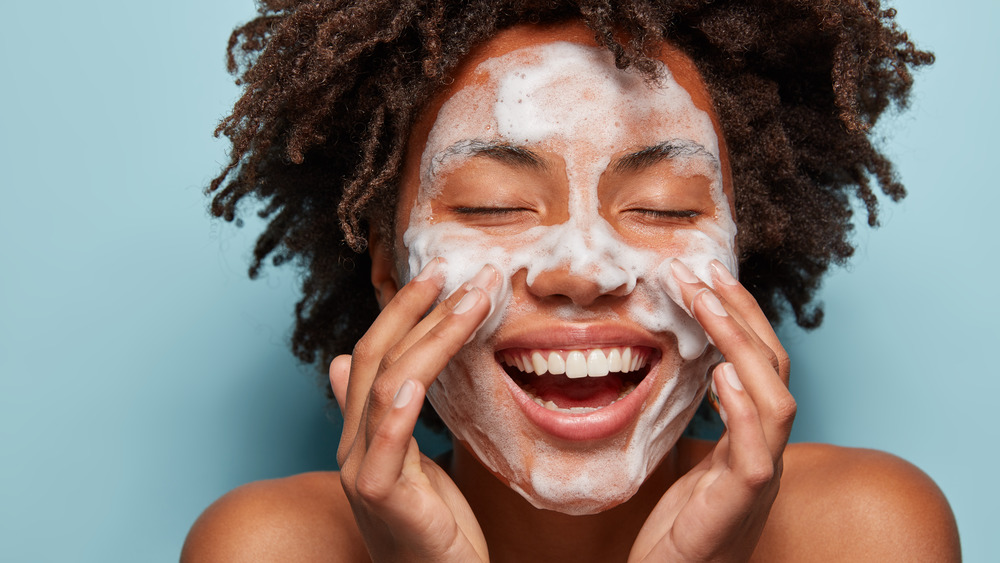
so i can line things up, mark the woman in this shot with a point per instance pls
(555, 200)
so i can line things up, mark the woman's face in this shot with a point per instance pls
(579, 183)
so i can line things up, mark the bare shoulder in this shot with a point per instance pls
(846, 504)
(300, 518)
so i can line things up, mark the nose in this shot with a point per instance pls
(561, 284)
(583, 263)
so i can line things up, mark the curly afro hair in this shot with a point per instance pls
(333, 87)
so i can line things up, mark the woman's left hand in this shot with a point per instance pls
(716, 512)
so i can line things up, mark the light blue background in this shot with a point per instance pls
(142, 375)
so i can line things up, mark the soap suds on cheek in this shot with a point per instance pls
(569, 100)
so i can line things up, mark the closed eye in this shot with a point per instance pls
(668, 213)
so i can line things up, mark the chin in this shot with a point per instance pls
(576, 445)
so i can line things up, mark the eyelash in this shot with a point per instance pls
(669, 213)
(488, 210)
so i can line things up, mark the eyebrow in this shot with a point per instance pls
(511, 154)
(663, 152)
(501, 152)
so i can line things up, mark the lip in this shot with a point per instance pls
(578, 337)
(604, 422)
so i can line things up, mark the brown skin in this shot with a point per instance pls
(706, 501)
(835, 504)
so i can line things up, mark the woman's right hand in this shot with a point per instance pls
(405, 505)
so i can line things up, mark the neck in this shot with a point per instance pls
(517, 531)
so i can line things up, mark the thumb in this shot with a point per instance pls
(340, 371)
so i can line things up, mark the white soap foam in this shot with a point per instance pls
(569, 99)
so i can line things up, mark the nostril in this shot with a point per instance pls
(580, 289)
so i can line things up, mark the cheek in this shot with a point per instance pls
(465, 252)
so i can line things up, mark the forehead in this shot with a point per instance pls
(566, 98)
(554, 85)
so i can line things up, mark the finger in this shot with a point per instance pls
(692, 290)
(487, 279)
(363, 380)
(752, 358)
(722, 503)
(425, 359)
(398, 317)
(769, 394)
(749, 454)
(737, 296)
(690, 286)
(749, 486)
(382, 466)
(390, 357)
(340, 371)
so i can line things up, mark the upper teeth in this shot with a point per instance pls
(592, 362)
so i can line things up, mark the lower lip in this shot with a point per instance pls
(577, 427)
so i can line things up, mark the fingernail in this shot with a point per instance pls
(713, 392)
(682, 273)
(404, 394)
(713, 304)
(468, 301)
(722, 273)
(729, 372)
(486, 278)
(429, 270)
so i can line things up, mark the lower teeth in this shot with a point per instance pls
(530, 391)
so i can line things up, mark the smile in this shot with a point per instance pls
(576, 381)
(575, 364)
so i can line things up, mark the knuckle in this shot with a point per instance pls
(348, 475)
(381, 393)
(342, 453)
(784, 363)
(741, 339)
(346, 454)
(389, 359)
(439, 338)
(779, 469)
(772, 358)
(448, 304)
(759, 475)
(363, 348)
(370, 488)
(383, 434)
(784, 408)
(445, 337)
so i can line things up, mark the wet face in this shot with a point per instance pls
(580, 183)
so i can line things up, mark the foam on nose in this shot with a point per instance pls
(589, 251)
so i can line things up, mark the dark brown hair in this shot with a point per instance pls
(333, 87)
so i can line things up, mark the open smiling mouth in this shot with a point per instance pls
(577, 380)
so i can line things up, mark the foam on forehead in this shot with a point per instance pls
(549, 93)
(566, 90)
